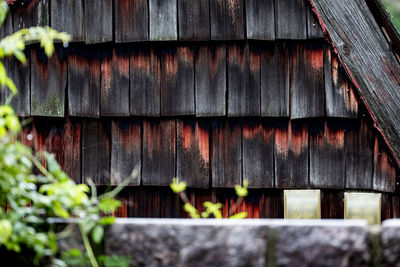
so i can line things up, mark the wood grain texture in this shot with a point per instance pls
(125, 151)
(210, 80)
(314, 29)
(395, 206)
(291, 19)
(291, 154)
(131, 20)
(163, 20)
(359, 145)
(67, 16)
(271, 204)
(327, 165)
(227, 19)
(364, 50)
(20, 74)
(260, 19)
(307, 80)
(194, 20)
(145, 79)
(332, 204)
(115, 83)
(341, 100)
(226, 155)
(8, 26)
(159, 152)
(84, 84)
(384, 178)
(96, 148)
(258, 154)
(36, 13)
(275, 80)
(193, 152)
(71, 147)
(177, 81)
(386, 207)
(48, 83)
(98, 21)
(244, 80)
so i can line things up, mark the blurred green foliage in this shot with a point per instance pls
(393, 6)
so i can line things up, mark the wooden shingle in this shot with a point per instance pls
(125, 151)
(384, 178)
(131, 20)
(227, 19)
(210, 80)
(163, 20)
(159, 152)
(226, 153)
(48, 83)
(194, 20)
(84, 83)
(258, 154)
(260, 19)
(36, 13)
(314, 30)
(193, 152)
(98, 21)
(145, 79)
(291, 19)
(244, 80)
(177, 81)
(96, 151)
(115, 83)
(275, 80)
(67, 16)
(291, 154)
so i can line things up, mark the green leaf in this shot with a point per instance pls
(177, 186)
(3, 12)
(240, 215)
(108, 205)
(97, 234)
(107, 220)
(5, 231)
(191, 210)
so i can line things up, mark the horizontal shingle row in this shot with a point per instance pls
(159, 20)
(268, 79)
(270, 153)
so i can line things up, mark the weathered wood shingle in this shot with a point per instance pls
(260, 19)
(98, 21)
(227, 19)
(163, 20)
(36, 13)
(68, 16)
(291, 19)
(131, 20)
(194, 20)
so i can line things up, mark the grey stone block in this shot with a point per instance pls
(390, 236)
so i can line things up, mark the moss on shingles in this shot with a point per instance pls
(52, 107)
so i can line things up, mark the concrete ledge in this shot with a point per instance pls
(182, 242)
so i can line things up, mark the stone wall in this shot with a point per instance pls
(180, 242)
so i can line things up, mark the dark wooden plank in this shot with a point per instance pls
(163, 18)
(96, 146)
(396, 206)
(226, 153)
(227, 19)
(84, 83)
(7, 27)
(359, 145)
(290, 19)
(210, 80)
(145, 79)
(67, 16)
(98, 21)
(258, 154)
(20, 74)
(275, 80)
(291, 155)
(327, 155)
(193, 152)
(314, 29)
(332, 204)
(364, 50)
(244, 80)
(341, 100)
(307, 80)
(26, 135)
(71, 148)
(260, 19)
(384, 178)
(36, 13)
(48, 83)
(125, 151)
(271, 204)
(177, 81)
(131, 20)
(115, 83)
(194, 20)
(386, 207)
(159, 152)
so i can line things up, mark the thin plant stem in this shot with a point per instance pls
(88, 247)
